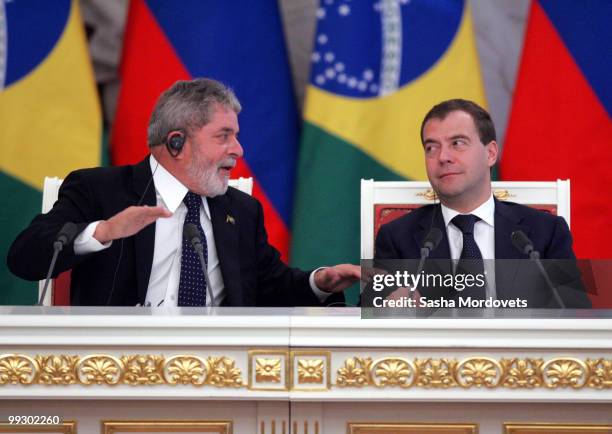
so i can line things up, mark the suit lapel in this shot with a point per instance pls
(144, 194)
(506, 255)
(225, 230)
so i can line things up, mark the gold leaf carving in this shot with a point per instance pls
(436, 373)
(478, 371)
(601, 373)
(393, 371)
(355, 372)
(522, 373)
(267, 370)
(17, 369)
(310, 370)
(502, 194)
(185, 370)
(428, 194)
(223, 372)
(57, 369)
(99, 369)
(565, 372)
(143, 369)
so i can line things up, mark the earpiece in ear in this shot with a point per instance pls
(175, 142)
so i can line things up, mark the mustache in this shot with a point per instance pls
(228, 162)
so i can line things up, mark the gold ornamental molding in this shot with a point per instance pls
(556, 428)
(410, 428)
(134, 370)
(307, 370)
(167, 426)
(65, 427)
(428, 194)
(310, 370)
(475, 372)
(393, 372)
(355, 372)
(503, 194)
(269, 370)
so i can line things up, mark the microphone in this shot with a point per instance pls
(65, 236)
(524, 245)
(192, 235)
(433, 238)
(431, 241)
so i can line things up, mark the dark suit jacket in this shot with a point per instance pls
(515, 275)
(253, 273)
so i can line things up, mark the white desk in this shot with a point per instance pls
(310, 366)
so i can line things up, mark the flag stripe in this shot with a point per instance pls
(50, 116)
(22, 202)
(560, 129)
(149, 66)
(583, 28)
(326, 227)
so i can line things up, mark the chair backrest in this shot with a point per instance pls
(245, 185)
(384, 201)
(51, 188)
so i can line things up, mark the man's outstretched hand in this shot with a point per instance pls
(128, 222)
(337, 278)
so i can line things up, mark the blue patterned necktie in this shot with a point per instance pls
(470, 261)
(192, 284)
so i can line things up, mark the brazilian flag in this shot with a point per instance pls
(377, 68)
(49, 115)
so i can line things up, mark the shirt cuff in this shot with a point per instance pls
(320, 294)
(86, 243)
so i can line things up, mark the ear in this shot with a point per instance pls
(492, 152)
(175, 142)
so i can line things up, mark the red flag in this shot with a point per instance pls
(560, 125)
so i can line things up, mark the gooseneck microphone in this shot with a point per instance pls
(524, 245)
(431, 241)
(192, 235)
(65, 236)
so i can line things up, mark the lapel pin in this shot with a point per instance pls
(229, 219)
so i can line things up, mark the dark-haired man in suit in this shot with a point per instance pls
(130, 248)
(460, 148)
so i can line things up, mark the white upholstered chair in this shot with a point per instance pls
(384, 201)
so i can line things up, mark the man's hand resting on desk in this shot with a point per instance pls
(128, 222)
(402, 292)
(337, 278)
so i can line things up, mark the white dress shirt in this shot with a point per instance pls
(166, 268)
(484, 235)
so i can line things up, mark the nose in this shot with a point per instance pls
(235, 149)
(445, 155)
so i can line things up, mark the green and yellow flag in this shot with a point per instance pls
(377, 68)
(50, 120)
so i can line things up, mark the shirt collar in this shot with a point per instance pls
(485, 212)
(170, 189)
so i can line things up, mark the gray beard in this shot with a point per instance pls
(208, 181)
